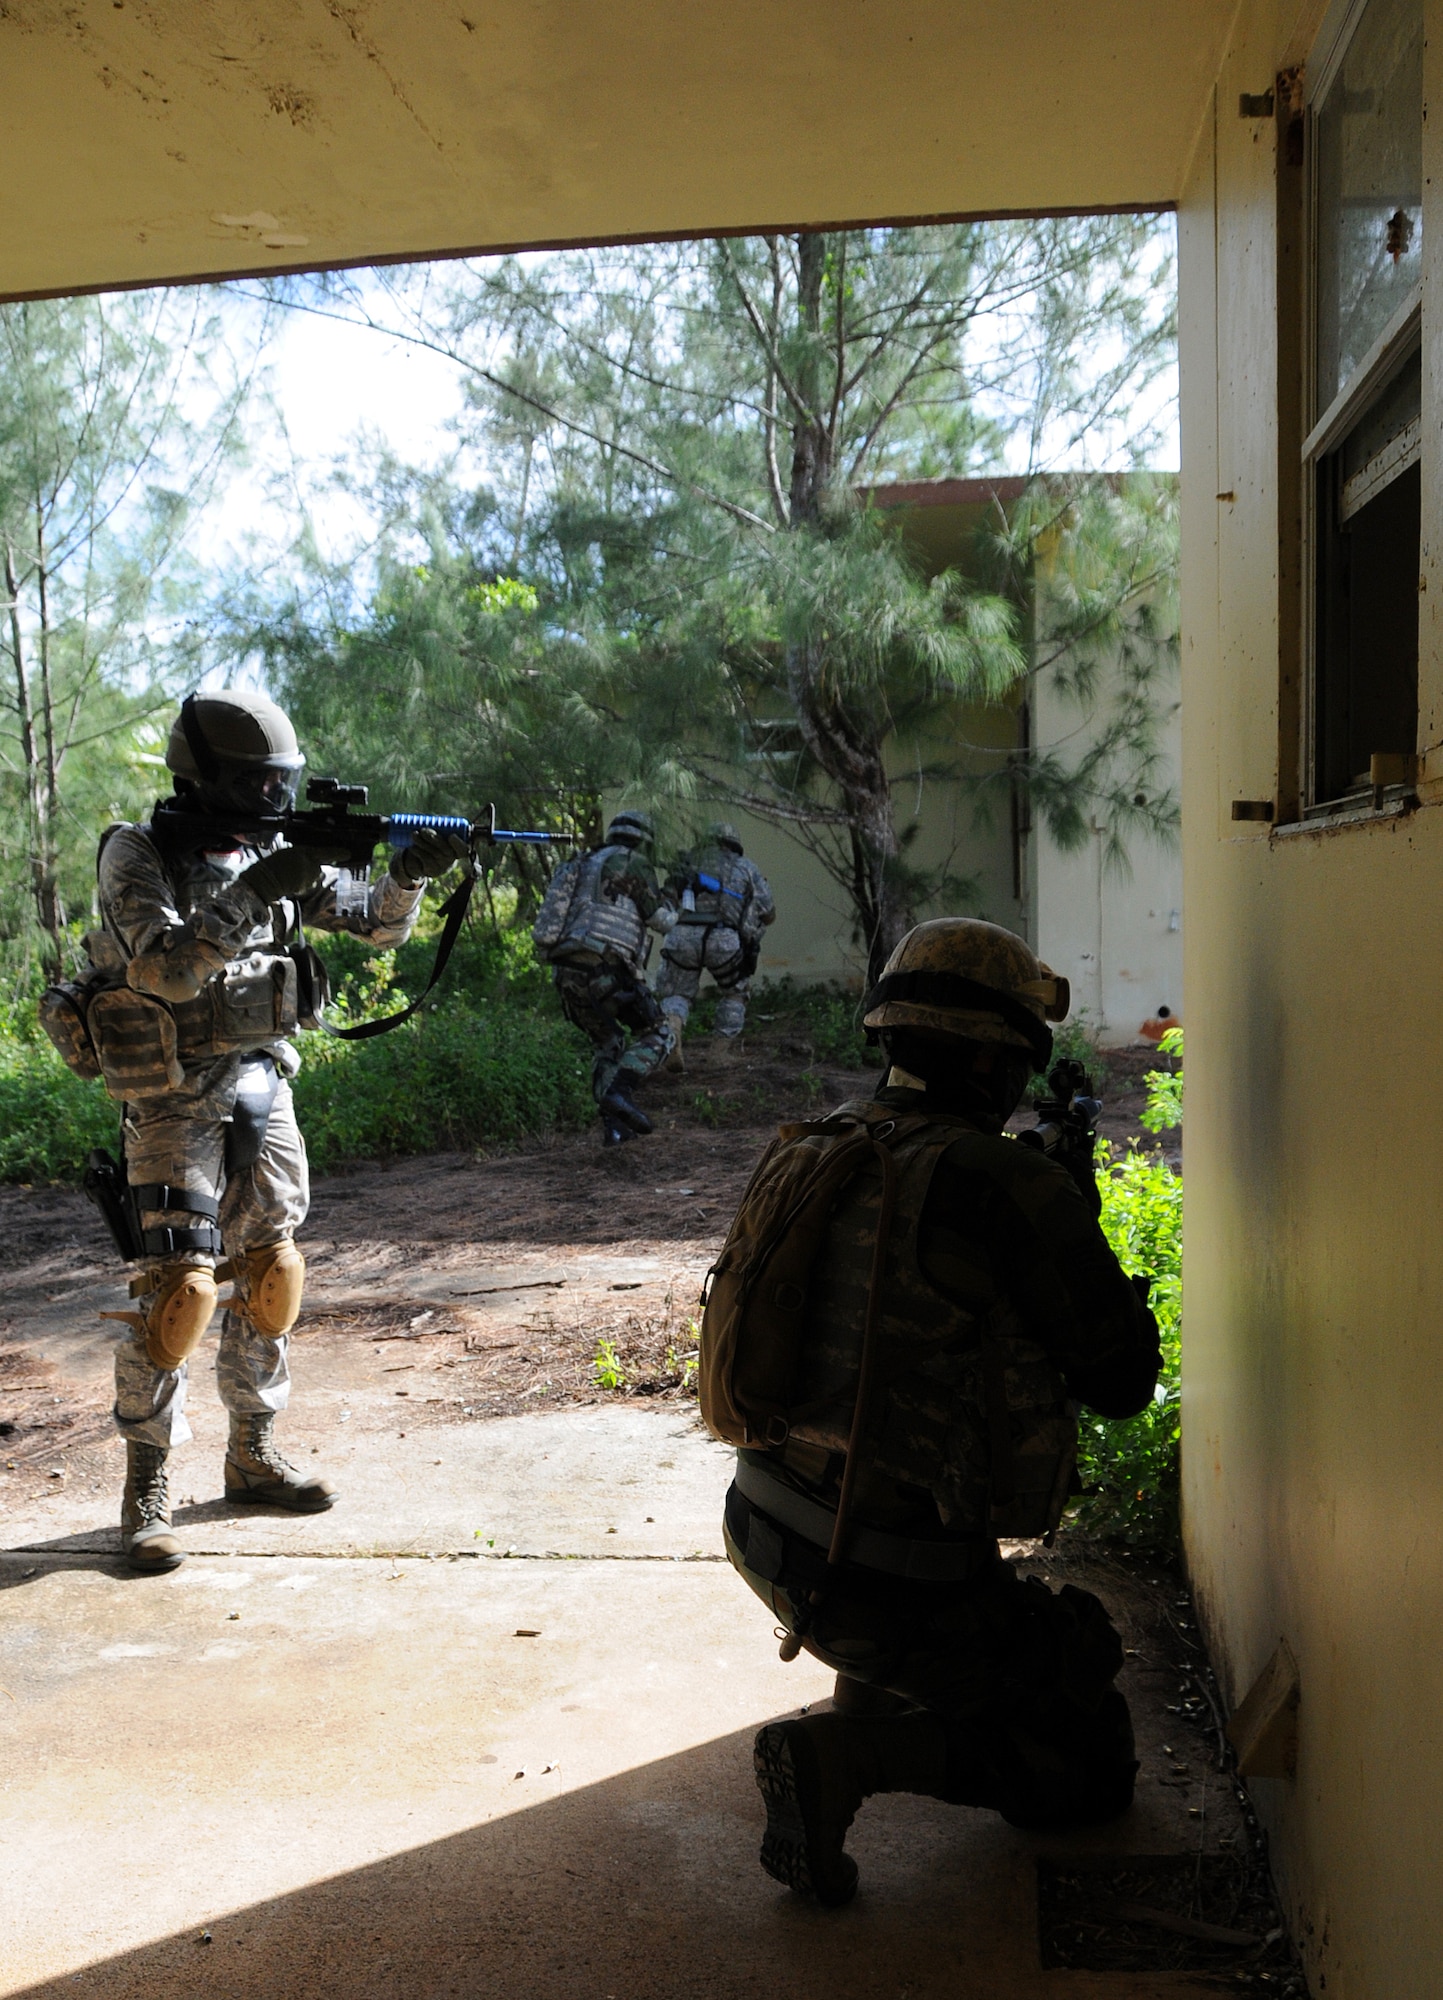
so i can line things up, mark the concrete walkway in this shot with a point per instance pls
(323, 1760)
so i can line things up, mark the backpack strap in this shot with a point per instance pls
(878, 1134)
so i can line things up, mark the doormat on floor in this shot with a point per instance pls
(1161, 1913)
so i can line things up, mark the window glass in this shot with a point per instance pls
(1369, 216)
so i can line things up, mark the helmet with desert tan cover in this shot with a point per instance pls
(961, 976)
(235, 748)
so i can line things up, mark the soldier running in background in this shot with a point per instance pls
(724, 905)
(196, 1027)
(592, 930)
(991, 1301)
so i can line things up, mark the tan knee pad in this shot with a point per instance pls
(178, 1312)
(275, 1279)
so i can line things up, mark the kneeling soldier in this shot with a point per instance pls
(195, 1020)
(898, 1361)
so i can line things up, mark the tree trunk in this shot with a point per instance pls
(49, 907)
(851, 756)
(811, 434)
(38, 777)
(846, 747)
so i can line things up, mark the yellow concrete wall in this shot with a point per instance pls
(150, 139)
(1115, 931)
(1313, 1386)
(811, 938)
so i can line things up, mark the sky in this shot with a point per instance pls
(327, 385)
(330, 384)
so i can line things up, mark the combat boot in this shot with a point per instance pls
(613, 1131)
(813, 1774)
(256, 1473)
(150, 1548)
(620, 1107)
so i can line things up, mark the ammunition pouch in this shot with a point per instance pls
(62, 1012)
(253, 1002)
(136, 1043)
(313, 984)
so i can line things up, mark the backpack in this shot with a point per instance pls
(555, 912)
(759, 1308)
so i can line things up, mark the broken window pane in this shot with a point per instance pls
(1369, 189)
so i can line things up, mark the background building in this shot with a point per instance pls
(1113, 927)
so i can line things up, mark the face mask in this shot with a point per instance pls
(256, 788)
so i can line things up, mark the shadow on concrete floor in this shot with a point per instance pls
(641, 1887)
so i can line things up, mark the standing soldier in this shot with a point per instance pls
(195, 1018)
(725, 905)
(592, 931)
(902, 1315)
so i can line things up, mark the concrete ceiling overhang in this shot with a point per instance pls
(146, 140)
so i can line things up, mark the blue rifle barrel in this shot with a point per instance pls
(401, 826)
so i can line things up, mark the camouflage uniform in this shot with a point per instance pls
(165, 916)
(599, 967)
(720, 933)
(991, 1242)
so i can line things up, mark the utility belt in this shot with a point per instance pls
(767, 1501)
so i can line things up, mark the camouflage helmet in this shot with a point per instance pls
(722, 833)
(235, 747)
(631, 829)
(960, 976)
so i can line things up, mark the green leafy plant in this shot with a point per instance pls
(49, 1119)
(1129, 1467)
(684, 1366)
(1164, 1087)
(607, 1367)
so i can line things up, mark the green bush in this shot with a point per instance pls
(49, 1119)
(824, 1014)
(1129, 1467)
(459, 1075)
(1164, 1087)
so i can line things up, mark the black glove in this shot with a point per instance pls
(290, 873)
(431, 852)
(1077, 1154)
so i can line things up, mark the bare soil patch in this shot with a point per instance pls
(541, 1229)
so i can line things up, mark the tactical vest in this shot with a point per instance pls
(556, 906)
(719, 885)
(967, 1405)
(600, 924)
(142, 1045)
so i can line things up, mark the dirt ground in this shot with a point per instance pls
(464, 1287)
(452, 1289)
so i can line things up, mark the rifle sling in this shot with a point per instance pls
(454, 911)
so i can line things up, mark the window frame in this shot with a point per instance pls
(1326, 430)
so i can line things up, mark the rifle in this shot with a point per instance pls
(332, 825)
(1066, 1125)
